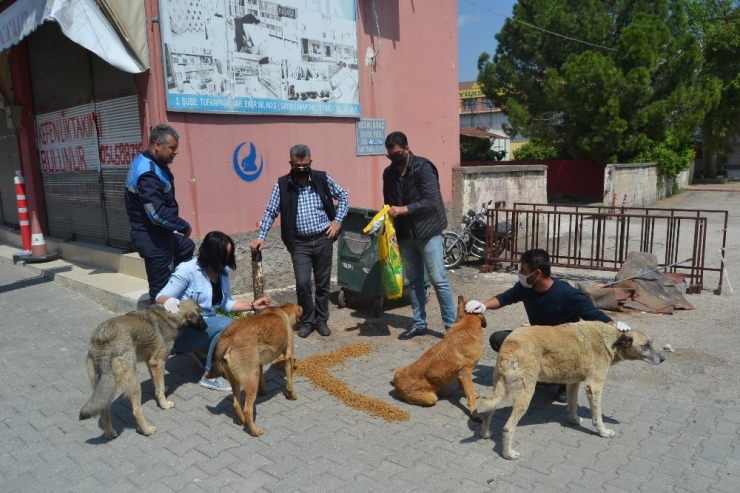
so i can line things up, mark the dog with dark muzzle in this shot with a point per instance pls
(118, 344)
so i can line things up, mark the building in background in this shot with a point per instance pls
(241, 81)
(479, 112)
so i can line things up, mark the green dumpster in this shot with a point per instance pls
(358, 269)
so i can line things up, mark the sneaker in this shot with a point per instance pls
(199, 360)
(323, 329)
(219, 383)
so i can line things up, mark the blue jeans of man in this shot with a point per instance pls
(192, 340)
(415, 255)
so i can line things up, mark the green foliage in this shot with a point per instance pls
(233, 315)
(479, 150)
(670, 155)
(717, 24)
(535, 151)
(603, 103)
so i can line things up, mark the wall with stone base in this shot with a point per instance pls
(638, 184)
(473, 185)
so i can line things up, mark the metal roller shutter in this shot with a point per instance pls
(119, 141)
(88, 132)
(9, 164)
(66, 135)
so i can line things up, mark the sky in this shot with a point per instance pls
(476, 28)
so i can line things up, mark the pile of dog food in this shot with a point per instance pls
(316, 367)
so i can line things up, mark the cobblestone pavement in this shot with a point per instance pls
(677, 423)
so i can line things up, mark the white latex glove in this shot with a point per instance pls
(172, 305)
(475, 306)
(623, 327)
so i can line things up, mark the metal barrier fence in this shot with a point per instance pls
(599, 237)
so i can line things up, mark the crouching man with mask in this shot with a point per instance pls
(547, 301)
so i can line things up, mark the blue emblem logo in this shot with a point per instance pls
(247, 168)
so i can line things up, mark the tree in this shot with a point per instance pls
(717, 25)
(608, 100)
(475, 149)
(535, 151)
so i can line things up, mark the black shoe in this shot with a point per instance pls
(323, 329)
(562, 394)
(305, 331)
(412, 332)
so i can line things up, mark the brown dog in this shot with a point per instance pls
(454, 357)
(248, 344)
(115, 347)
(568, 353)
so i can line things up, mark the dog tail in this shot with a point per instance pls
(216, 369)
(104, 389)
(488, 405)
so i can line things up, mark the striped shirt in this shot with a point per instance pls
(311, 218)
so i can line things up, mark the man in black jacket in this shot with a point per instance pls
(309, 224)
(411, 188)
(158, 233)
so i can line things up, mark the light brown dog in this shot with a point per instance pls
(115, 347)
(454, 357)
(248, 344)
(570, 354)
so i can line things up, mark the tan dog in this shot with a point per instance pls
(569, 353)
(454, 357)
(248, 344)
(119, 343)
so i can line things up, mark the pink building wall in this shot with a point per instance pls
(414, 88)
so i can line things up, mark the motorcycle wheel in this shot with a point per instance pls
(454, 250)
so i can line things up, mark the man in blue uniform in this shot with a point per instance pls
(547, 301)
(158, 234)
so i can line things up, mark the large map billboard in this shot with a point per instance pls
(293, 57)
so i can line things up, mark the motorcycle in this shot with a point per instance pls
(471, 241)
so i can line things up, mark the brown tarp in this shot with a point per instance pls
(653, 292)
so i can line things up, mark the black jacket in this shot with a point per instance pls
(289, 203)
(419, 190)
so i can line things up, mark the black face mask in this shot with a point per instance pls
(398, 159)
(300, 173)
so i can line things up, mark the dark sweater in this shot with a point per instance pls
(560, 304)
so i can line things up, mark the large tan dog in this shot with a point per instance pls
(454, 357)
(248, 344)
(119, 343)
(570, 354)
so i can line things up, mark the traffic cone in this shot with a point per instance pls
(38, 245)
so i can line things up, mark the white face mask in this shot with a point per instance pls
(523, 280)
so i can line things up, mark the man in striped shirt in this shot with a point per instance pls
(310, 222)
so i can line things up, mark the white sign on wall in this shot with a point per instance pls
(291, 57)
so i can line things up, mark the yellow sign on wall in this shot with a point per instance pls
(472, 93)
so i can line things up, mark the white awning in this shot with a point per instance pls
(82, 21)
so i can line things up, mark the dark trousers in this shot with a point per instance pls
(497, 339)
(162, 252)
(313, 255)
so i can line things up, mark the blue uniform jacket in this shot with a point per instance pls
(150, 196)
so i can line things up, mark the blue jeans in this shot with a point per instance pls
(415, 254)
(192, 340)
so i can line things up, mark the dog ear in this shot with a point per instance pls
(483, 322)
(623, 342)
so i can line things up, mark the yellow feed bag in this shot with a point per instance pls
(389, 255)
